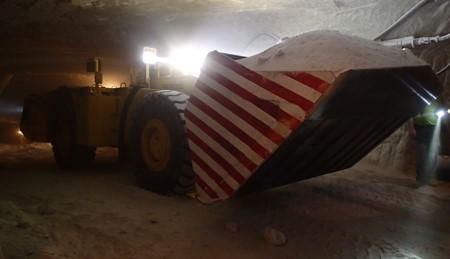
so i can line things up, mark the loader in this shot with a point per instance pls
(310, 105)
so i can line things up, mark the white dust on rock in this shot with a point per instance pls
(273, 236)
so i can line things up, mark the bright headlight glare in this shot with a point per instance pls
(440, 113)
(189, 60)
(149, 56)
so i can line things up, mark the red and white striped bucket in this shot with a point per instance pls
(236, 118)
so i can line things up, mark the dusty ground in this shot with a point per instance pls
(362, 212)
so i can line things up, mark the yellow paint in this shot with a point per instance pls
(156, 145)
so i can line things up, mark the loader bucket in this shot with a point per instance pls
(251, 127)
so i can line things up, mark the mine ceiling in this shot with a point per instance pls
(111, 27)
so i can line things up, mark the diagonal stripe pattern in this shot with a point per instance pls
(236, 118)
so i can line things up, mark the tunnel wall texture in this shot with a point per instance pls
(397, 151)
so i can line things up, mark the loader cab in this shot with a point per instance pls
(158, 66)
(159, 73)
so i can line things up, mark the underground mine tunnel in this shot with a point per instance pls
(246, 129)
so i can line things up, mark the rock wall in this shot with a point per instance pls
(397, 151)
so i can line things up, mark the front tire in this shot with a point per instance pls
(159, 151)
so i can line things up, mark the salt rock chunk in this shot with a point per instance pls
(274, 237)
(262, 59)
(232, 227)
(279, 53)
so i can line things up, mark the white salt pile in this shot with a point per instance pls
(329, 51)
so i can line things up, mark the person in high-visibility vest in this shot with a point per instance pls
(423, 128)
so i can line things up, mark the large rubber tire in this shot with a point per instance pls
(68, 154)
(159, 151)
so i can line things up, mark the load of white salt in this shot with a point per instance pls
(329, 51)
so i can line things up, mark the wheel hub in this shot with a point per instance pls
(156, 144)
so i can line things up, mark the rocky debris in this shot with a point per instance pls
(274, 237)
(44, 209)
(232, 227)
(11, 214)
(23, 224)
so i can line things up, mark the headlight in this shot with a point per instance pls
(189, 60)
(440, 113)
(149, 56)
